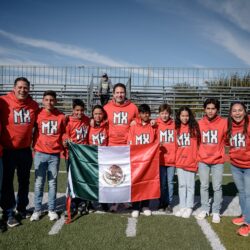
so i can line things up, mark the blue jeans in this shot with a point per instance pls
(217, 176)
(46, 164)
(186, 184)
(21, 161)
(241, 178)
(167, 185)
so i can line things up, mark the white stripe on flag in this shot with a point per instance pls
(71, 184)
(109, 191)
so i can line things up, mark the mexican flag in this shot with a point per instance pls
(114, 174)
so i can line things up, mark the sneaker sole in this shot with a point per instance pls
(238, 224)
(216, 222)
(13, 225)
(245, 235)
(34, 220)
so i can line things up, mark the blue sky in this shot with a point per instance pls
(191, 33)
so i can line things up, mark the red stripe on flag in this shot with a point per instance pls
(145, 178)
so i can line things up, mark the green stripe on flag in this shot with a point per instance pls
(84, 171)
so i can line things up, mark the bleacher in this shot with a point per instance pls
(143, 86)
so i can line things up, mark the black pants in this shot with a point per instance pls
(21, 160)
(140, 204)
(104, 99)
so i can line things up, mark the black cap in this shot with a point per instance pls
(105, 75)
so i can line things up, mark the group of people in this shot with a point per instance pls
(185, 145)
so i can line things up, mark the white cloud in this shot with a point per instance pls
(10, 56)
(237, 11)
(65, 50)
(233, 43)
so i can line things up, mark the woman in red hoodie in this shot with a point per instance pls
(188, 139)
(239, 139)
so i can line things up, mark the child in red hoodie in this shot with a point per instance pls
(239, 139)
(211, 158)
(2, 225)
(77, 131)
(50, 127)
(167, 139)
(188, 138)
(142, 133)
(98, 134)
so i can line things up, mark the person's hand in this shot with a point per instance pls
(65, 143)
(92, 123)
(153, 123)
(133, 123)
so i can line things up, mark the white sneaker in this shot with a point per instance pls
(35, 216)
(216, 218)
(114, 207)
(180, 212)
(202, 215)
(146, 211)
(135, 214)
(187, 213)
(53, 215)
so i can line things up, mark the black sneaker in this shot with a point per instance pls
(24, 214)
(105, 207)
(90, 207)
(12, 222)
(82, 208)
(169, 209)
(162, 208)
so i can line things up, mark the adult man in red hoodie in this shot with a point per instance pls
(120, 112)
(18, 112)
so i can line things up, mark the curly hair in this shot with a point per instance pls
(193, 125)
(230, 119)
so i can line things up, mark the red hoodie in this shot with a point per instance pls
(17, 118)
(77, 130)
(1, 147)
(166, 136)
(119, 118)
(99, 135)
(186, 153)
(213, 136)
(240, 146)
(141, 134)
(50, 127)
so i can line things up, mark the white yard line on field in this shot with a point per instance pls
(210, 234)
(131, 227)
(57, 226)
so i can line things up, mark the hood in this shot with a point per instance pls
(126, 103)
(160, 121)
(238, 125)
(211, 121)
(13, 98)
